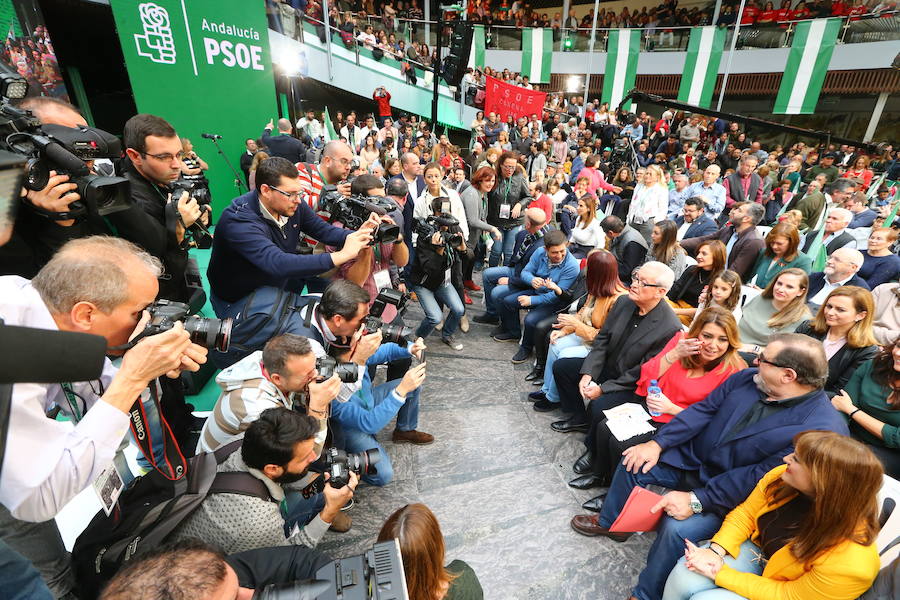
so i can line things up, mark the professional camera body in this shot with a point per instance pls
(390, 332)
(65, 150)
(196, 235)
(375, 575)
(442, 223)
(338, 464)
(352, 212)
(327, 366)
(210, 333)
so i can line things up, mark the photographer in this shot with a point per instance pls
(436, 267)
(96, 285)
(333, 169)
(277, 449)
(257, 237)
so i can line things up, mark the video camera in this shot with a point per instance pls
(209, 333)
(196, 234)
(352, 212)
(375, 575)
(440, 223)
(328, 366)
(65, 150)
(390, 332)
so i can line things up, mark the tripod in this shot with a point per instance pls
(238, 182)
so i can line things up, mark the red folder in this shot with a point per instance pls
(636, 515)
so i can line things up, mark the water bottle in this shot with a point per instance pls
(655, 393)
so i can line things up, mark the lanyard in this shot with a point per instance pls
(506, 195)
(72, 398)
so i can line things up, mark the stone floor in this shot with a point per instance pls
(496, 479)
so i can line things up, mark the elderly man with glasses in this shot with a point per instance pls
(712, 454)
(637, 328)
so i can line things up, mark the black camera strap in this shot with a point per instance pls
(175, 464)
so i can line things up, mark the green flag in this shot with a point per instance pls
(330, 133)
(476, 56)
(622, 52)
(702, 65)
(806, 67)
(893, 215)
(817, 251)
(537, 54)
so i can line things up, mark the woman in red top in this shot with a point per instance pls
(768, 15)
(861, 172)
(691, 366)
(800, 12)
(783, 14)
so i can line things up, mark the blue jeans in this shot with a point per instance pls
(670, 534)
(300, 510)
(21, 580)
(503, 248)
(570, 346)
(687, 585)
(489, 279)
(433, 304)
(407, 420)
(509, 316)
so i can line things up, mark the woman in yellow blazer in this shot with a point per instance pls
(806, 532)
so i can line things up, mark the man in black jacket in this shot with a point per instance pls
(283, 144)
(247, 158)
(637, 328)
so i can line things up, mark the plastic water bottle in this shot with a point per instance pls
(653, 392)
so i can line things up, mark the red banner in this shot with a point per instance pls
(505, 99)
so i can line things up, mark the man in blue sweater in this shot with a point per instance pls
(255, 244)
(551, 270)
(713, 453)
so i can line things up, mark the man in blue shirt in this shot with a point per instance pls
(635, 131)
(713, 193)
(550, 271)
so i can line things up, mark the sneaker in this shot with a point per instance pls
(521, 356)
(439, 326)
(503, 336)
(348, 505)
(412, 437)
(471, 286)
(536, 396)
(486, 319)
(341, 523)
(464, 324)
(452, 343)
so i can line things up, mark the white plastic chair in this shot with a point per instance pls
(763, 230)
(888, 540)
(689, 260)
(748, 294)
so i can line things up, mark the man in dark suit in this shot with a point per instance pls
(247, 158)
(840, 269)
(636, 329)
(411, 174)
(836, 235)
(283, 144)
(739, 236)
(714, 452)
(693, 220)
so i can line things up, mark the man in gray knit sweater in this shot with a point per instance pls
(277, 450)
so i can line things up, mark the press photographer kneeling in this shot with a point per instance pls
(97, 285)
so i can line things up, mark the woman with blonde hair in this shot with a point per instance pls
(844, 326)
(780, 308)
(861, 172)
(418, 533)
(649, 202)
(806, 532)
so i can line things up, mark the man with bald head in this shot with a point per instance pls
(283, 144)
(840, 269)
(333, 169)
(713, 193)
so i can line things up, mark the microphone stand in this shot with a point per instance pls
(238, 182)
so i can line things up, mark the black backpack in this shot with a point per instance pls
(148, 511)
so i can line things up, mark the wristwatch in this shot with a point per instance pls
(696, 507)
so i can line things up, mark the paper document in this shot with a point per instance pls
(628, 420)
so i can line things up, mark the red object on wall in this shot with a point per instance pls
(505, 99)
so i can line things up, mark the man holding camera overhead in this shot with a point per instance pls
(97, 285)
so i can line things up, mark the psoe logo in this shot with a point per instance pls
(156, 42)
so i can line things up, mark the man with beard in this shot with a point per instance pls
(713, 453)
(277, 449)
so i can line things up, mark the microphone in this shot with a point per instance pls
(47, 356)
(211, 136)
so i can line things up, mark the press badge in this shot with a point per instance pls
(382, 279)
(504, 211)
(108, 486)
(445, 207)
(447, 277)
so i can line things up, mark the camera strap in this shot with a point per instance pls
(175, 464)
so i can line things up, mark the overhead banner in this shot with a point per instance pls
(204, 66)
(807, 65)
(537, 54)
(622, 51)
(505, 100)
(702, 65)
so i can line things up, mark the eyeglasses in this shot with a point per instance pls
(289, 196)
(167, 157)
(762, 359)
(639, 283)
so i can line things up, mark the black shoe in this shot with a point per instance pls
(594, 504)
(521, 356)
(536, 372)
(544, 405)
(537, 396)
(503, 336)
(538, 382)
(584, 464)
(486, 319)
(585, 482)
(569, 426)
(497, 331)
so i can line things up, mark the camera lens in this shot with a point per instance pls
(209, 333)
